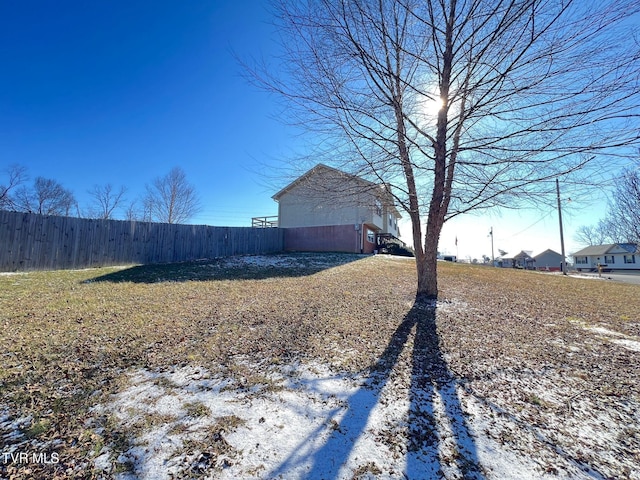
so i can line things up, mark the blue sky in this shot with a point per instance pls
(120, 92)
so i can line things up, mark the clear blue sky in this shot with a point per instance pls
(96, 92)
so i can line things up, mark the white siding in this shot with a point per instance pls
(617, 264)
(327, 199)
(325, 196)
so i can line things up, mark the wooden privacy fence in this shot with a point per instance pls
(37, 242)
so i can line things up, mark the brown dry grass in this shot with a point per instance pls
(68, 336)
(523, 344)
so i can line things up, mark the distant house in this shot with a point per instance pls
(548, 260)
(615, 256)
(326, 209)
(521, 260)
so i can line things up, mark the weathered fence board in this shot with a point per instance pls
(37, 242)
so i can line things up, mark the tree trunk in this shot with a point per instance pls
(427, 261)
(425, 277)
(441, 193)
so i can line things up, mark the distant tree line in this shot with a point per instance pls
(622, 223)
(168, 199)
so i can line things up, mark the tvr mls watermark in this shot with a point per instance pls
(23, 458)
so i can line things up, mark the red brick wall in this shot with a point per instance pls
(331, 238)
(368, 247)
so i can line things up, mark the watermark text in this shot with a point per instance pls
(24, 458)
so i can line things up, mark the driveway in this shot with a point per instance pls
(626, 277)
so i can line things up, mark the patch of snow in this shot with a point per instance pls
(11, 429)
(605, 332)
(625, 341)
(102, 462)
(398, 258)
(314, 423)
(452, 305)
(628, 344)
(306, 260)
(585, 277)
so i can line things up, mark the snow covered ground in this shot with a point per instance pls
(316, 424)
(307, 422)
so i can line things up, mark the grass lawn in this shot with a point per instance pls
(545, 356)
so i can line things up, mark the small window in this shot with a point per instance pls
(609, 259)
(371, 236)
(582, 260)
(629, 259)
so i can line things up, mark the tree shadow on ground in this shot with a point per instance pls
(436, 435)
(249, 267)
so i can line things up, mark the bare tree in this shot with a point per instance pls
(131, 213)
(171, 199)
(462, 105)
(105, 200)
(139, 213)
(624, 208)
(622, 223)
(16, 175)
(597, 234)
(46, 197)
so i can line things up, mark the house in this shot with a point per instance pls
(615, 256)
(326, 209)
(548, 260)
(522, 260)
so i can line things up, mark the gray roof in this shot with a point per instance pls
(321, 167)
(547, 251)
(630, 247)
(603, 249)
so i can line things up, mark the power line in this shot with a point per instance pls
(530, 226)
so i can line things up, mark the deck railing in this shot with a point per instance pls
(265, 222)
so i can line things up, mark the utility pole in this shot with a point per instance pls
(493, 260)
(563, 265)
